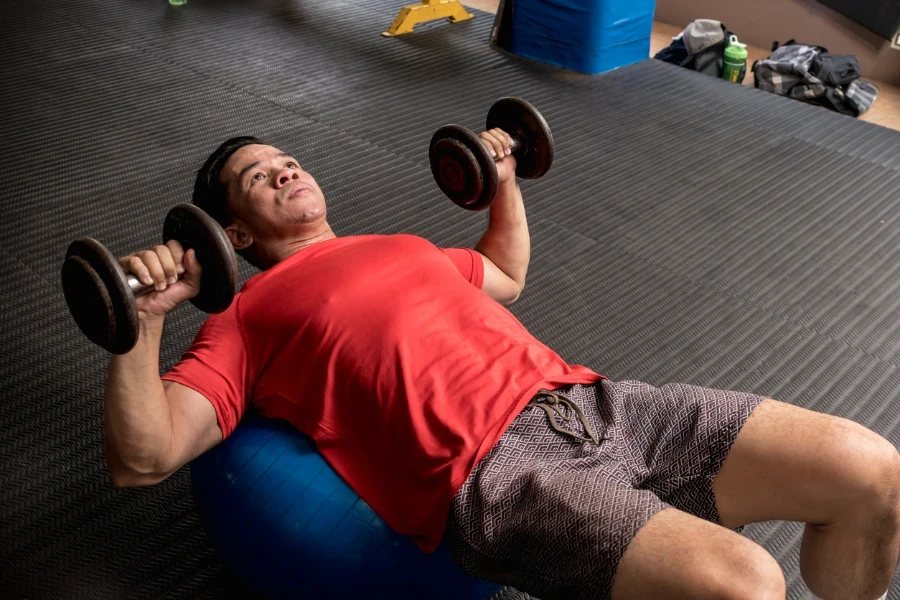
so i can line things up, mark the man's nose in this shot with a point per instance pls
(286, 175)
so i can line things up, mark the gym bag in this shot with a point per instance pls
(700, 47)
(811, 74)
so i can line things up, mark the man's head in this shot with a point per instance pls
(262, 198)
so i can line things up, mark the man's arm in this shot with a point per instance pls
(506, 245)
(152, 429)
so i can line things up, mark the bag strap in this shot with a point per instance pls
(793, 42)
(691, 58)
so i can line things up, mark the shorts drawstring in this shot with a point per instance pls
(556, 405)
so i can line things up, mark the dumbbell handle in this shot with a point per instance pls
(138, 288)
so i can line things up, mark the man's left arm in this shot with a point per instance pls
(506, 245)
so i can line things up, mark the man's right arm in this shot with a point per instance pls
(152, 428)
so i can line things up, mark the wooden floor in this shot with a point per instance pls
(885, 111)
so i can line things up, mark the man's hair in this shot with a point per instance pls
(211, 195)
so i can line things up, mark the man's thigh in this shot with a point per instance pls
(679, 556)
(790, 463)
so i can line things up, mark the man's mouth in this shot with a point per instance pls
(298, 189)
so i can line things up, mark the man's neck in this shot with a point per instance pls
(291, 247)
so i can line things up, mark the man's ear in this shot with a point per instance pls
(240, 239)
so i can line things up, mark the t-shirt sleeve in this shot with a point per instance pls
(469, 264)
(216, 365)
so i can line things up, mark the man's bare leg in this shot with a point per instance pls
(678, 556)
(789, 463)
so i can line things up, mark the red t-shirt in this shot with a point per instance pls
(403, 372)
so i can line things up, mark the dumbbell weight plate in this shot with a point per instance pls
(193, 228)
(525, 123)
(456, 171)
(99, 298)
(463, 167)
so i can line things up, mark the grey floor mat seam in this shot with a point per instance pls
(810, 109)
(794, 315)
(793, 318)
(723, 293)
(819, 144)
(153, 51)
(772, 312)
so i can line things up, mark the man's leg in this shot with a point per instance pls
(676, 555)
(789, 463)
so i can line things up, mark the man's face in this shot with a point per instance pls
(270, 194)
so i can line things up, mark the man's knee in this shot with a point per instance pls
(877, 480)
(885, 473)
(750, 574)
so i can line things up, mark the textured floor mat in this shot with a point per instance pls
(690, 230)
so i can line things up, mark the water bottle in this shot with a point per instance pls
(735, 61)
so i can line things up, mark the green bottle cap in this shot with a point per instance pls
(735, 49)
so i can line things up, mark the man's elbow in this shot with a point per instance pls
(124, 476)
(513, 295)
(121, 479)
(126, 479)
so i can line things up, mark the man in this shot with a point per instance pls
(443, 412)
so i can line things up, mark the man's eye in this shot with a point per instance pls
(292, 165)
(258, 177)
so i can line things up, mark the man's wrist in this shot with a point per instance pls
(508, 187)
(150, 324)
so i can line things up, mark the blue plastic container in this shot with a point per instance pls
(588, 36)
(292, 528)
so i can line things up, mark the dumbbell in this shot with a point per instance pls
(463, 166)
(101, 294)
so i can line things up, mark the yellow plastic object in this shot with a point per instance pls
(428, 10)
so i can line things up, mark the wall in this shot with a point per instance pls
(760, 22)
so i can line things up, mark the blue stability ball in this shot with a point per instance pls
(292, 528)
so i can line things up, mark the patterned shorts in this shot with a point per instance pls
(552, 515)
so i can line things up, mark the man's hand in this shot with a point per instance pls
(499, 143)
(160, 267)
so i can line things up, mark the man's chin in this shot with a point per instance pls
(307, 214)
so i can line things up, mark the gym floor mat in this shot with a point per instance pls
(690, 230)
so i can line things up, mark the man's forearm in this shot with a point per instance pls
(138, 422)
(507, 241)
